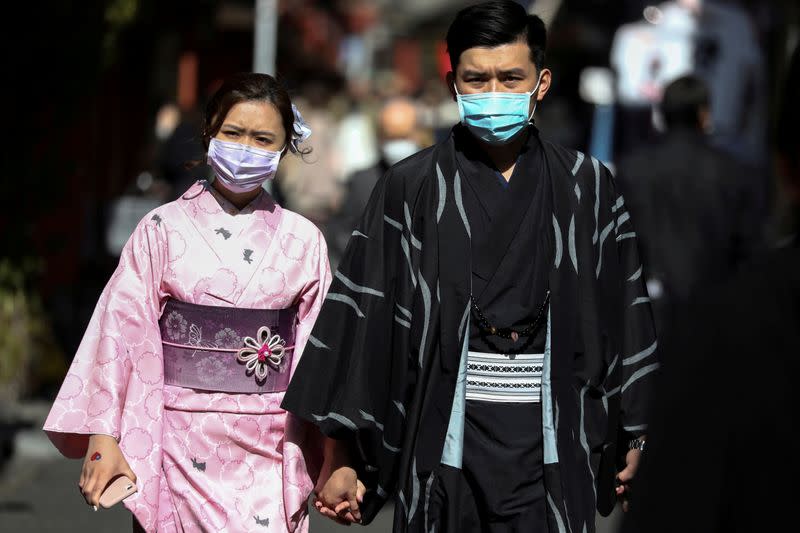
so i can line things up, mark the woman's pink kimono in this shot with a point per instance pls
(205, 461)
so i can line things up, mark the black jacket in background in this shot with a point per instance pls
(359, 188)
(721, 454)
(696, 212)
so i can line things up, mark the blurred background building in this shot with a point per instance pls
(106, 97)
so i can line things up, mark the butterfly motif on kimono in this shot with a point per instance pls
(196, 338)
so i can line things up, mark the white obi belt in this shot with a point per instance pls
(504, 378)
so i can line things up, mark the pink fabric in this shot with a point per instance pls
(204, 461)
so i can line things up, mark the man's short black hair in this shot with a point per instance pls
(683, 100)
(493, 24)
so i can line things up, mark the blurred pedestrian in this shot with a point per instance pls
(720, 456)
(177, 142)
(692, 203)
(311, 186)
(432, 366)
(398, 139)
(178, 381)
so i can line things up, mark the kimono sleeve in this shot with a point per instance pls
(120, 356)
(312, 296)
(346, 366)
(302, 446)
(639, 346)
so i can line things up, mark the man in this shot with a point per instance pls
(722, 448)
(692, 204)
(432, 366)
(397, 125)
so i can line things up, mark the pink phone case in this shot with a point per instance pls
(118, 490)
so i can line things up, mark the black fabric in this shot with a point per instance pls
(698, 214)
(733, 363)
(500, 487)
(511, 244)
(381, 365)
(359, 188)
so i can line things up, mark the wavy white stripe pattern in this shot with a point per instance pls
(335, 296)
(578, 163)
(635, 358)
(460, 204)
(559, 242)
(356, 287)
(442, 193)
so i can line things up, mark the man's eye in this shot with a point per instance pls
(231, 133)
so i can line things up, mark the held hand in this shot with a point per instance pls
(625, 477)
(104, 461)
(340, 495)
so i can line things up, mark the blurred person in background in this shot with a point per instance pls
(179, 378)
(177, 142)
(692, 203)
(713, 40)
(720, 456)
(398, 139)
(311, 186)
(355, 133)
(432, 366)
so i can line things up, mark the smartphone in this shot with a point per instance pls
(116, 491)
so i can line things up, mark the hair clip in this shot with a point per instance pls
(301, 130)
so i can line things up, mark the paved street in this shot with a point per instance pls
(38, 494)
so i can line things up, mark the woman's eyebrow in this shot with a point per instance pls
(241, 129)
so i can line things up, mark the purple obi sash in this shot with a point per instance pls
(227, 349)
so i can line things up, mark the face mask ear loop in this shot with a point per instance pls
(535, 94)
(460, 106)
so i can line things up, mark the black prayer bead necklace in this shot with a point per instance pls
(510, 333)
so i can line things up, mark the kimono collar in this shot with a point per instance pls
(468, 145)
(212, 201)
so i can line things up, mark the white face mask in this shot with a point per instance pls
(242, 168)
(396, 150)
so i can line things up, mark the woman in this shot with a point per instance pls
(179, 378)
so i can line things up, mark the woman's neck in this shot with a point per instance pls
(238, 199)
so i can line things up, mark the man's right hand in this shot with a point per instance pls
(340, 495)
(103, 462)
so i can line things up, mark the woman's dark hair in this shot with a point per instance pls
(493, 24)
(683, 100)
(245, 87)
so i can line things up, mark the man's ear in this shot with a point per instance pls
(544, 84)
(450, 79)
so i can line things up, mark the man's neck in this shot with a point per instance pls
(505, 156)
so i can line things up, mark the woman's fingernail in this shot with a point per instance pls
(94, 507)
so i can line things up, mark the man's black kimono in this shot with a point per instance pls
(381, 365)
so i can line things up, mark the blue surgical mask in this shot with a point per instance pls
(496, 118)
